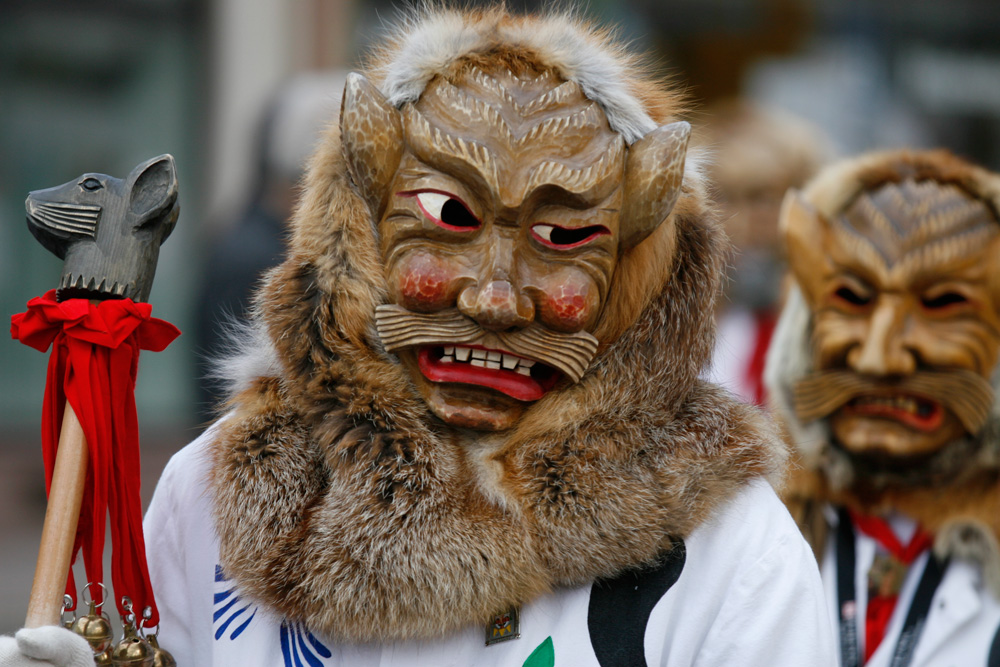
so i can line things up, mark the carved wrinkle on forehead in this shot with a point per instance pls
(909, 226)
(433, 145)
(534, 131)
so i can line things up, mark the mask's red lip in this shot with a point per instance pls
(522, 387)
(916, 412)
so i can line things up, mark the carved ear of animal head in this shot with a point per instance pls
(152, 191)
(804, 231)
(372, 133)
(654, 169)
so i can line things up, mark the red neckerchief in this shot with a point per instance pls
(880, 607)
(95, 355)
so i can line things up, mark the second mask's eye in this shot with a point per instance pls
(567, 237)
(853, 297)
(446, 211)
(942, 301)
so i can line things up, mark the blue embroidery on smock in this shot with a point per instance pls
(232, 615)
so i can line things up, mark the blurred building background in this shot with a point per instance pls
(103, 85)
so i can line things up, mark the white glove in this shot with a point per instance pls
(41, 647)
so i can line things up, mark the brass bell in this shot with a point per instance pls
(95, 628)
(133, 650)
(161, 658)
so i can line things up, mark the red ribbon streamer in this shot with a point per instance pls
(95, 356)
(764, 323)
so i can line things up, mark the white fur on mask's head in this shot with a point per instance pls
(432, 39)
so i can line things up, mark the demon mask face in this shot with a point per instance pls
(503, 201)
(903, 285)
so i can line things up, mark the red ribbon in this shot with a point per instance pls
(880, 607)
(95, 356)
(764, 323)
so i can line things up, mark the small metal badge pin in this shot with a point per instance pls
(504, 627)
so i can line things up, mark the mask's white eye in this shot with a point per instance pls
(567, 237)
(431, 203)
(543, 232)
(446, 211)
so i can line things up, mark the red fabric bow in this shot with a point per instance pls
(95, 356)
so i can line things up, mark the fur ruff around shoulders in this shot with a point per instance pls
(342, 502)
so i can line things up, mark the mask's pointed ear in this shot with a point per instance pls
(805, 232)
(372, 134)
(654, 169)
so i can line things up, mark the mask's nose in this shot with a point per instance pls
(883, 350)
(497, 305)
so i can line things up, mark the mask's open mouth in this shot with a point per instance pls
(517, 377)
(916, 412)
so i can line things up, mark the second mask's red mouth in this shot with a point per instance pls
(517, 377)
(916, 412)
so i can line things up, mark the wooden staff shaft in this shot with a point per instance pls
(59, 530)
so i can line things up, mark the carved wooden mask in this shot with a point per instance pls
(903, 286)
(503, 203)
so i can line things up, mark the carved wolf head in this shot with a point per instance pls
(107, 230)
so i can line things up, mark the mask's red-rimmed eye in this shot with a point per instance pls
(566, 237)
(445, 211)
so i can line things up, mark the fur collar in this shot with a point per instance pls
(340, 501)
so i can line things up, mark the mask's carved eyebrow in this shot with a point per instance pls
(592, 184)
(436, 147)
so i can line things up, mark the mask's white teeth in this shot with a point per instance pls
(491, 359)
(904, 403)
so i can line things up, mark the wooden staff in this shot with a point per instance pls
(91, 223)
(61, 515)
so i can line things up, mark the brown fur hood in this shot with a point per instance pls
(957, 495)
(342, 502)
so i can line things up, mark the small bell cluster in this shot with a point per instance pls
(137, 648)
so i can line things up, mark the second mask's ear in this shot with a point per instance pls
(372, 135)
(654, 170)
(804, 232)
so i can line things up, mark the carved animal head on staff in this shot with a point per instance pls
(107, 230)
